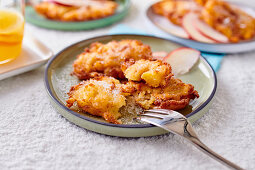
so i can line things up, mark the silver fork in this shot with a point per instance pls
(176, 123)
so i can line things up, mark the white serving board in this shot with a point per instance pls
(34, 54)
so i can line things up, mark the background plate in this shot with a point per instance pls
(34, 18)
(161, 23)
(58, 82)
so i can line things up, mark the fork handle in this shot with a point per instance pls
(201, 146)
(176, 123)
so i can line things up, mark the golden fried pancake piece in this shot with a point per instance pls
(106, 59)
(176, 95)
(154, 73)
(174, 10)
(101, 96)
(228, 19)
(76, 13)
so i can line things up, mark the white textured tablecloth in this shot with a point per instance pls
(34, 136)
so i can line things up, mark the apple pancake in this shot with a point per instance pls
(154, 73)
(143, 82)
(174, 10)
(106, 96)
(228, 19)
(106, 59)
(61, 12)
(176, 95)
(100, 96)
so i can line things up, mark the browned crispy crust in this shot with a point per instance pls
(176, 95)
(71, 13)
(106, 59)
(172, 104)
(177, 104)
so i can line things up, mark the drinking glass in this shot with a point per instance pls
(11, 29)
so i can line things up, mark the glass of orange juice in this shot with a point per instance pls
(11, 29)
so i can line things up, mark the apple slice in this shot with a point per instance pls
(169, 27)
(60, 2)
(182, 60)
(76, 2)
(159, 55)
(188, 25)
(209, 32)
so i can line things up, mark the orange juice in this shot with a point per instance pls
(11, 34)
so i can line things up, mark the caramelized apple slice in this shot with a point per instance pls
(75, 2)
(61, 2)
(182, 60)
(188, 25)
(209, 32)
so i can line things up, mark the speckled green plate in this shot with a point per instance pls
(34, 18)
(58, 82)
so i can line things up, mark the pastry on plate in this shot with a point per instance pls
(100, 96)
(105, 96)
(86, 11)
(209, 21)
(106, 59)
(174, 10)
(228, 19)
(117, 73)
(154, 73)
(174, 96)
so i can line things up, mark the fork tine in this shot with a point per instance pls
(160, 111)
(153, 115)
(149, 119)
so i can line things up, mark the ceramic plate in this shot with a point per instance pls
(34, 18)
(164, 24)
(33, 54)
(58, 82)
